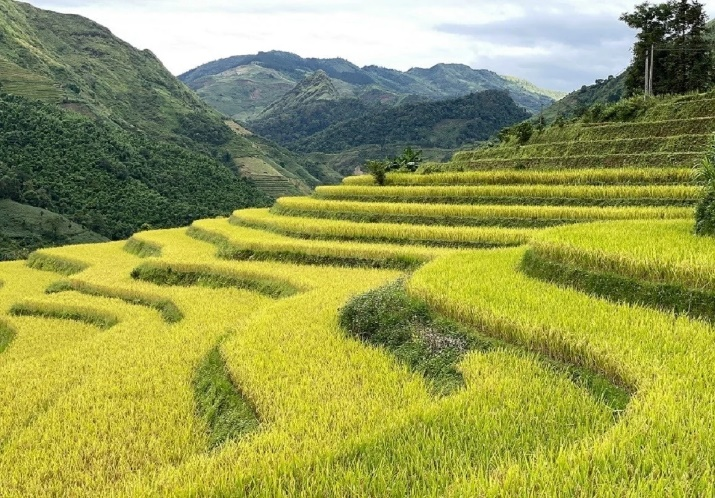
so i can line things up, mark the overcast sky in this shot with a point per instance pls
(556, 44)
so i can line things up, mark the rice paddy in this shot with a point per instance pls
(217, 359)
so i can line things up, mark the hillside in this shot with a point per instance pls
(80, 65)
(605, 91)
(24, 229)
(536, 318)
(244, 86)
(446, 124)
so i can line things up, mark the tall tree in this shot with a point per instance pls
(676, 30)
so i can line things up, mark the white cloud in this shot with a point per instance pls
(557, 44)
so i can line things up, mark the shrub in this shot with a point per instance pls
(705, 213)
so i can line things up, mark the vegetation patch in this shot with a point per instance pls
(224, 408)
(90, 316)
(298, 255)
(170, 312)
(7, 334)
(56, 264)
(190, 275)
(667, 297)
(142, 248)
(432, 345)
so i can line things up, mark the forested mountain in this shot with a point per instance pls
(80, 65)
(605, 91)
(244, 86)
(445, 124)
(102, 134)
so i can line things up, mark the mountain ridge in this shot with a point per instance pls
(225, 83)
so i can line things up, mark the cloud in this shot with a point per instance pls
(558, 44)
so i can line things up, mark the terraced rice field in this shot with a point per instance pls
(214, 360)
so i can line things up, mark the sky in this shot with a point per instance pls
(555, 44)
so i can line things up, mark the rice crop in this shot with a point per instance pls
(401, 233)
(594, 176)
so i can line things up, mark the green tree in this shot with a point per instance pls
(676, 30)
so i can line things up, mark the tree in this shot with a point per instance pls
(675, 30)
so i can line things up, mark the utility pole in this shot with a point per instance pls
(649, 63)
(652, 65)
(646, 79)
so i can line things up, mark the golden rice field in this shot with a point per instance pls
(211, 361)
(592, 176)
(517, 194)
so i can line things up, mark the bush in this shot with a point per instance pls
(705, 213)
(378, 169)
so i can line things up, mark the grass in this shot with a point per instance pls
(381, 232)
(203, 275)
(467, 214)
(7, 334)
(142, 248)
(667, 297)
(232, 246)
(169, 311)
(100, 319)
(520, 194)
(596, 176)
(227, 413)
(62, 265)
(433, 346)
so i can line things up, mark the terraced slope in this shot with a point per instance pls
(668, 132)
(211, 360)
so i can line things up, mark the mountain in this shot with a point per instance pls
(445, 123)
(246, 85)
(604, 91)
(100, 138)
(81, 66)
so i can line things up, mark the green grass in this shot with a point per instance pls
(432, 346)
(100, 319)
(202, 275)
(169, 311)
(223, 407)
(55, 264)
(142, 248)
(667, 297)
(7, 334)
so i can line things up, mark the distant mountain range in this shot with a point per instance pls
(244, 86)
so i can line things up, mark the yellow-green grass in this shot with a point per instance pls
(467, 214)
(392, 232)
(236, 242)
(663, 445)
(684, 195)
(670, 144)
(663, 251)
(595, 176)
(615, 131)
(649, 159)
(109, 413)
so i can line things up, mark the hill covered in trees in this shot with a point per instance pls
(446, 124)
(109, 180)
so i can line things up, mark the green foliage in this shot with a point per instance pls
(619, 288)
(447, 123)
(227, 413)
(705, 212)
(683, 59)
(100, 319)
(388, 317)
(520, 133)
(108, 180)
(378, 170)
(191, 275)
